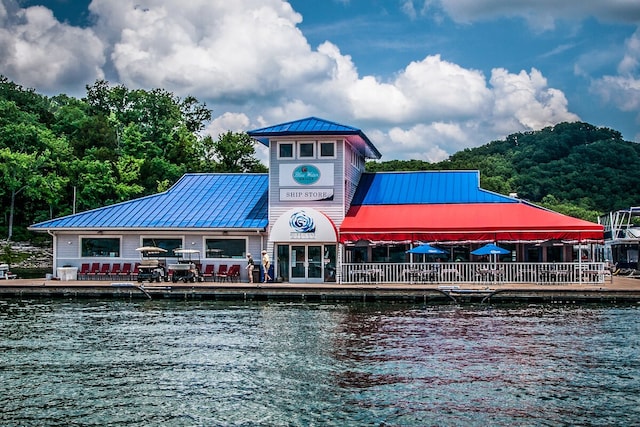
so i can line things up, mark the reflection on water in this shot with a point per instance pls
(184, 364)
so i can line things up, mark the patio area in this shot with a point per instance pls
(475, 273)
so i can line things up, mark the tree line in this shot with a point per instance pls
(61, 154)
(575, 168)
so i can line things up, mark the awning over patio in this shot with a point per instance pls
(464, 222)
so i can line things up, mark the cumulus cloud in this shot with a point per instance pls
(525, 101)
(220, 50)
(38, 51)
(249, 60)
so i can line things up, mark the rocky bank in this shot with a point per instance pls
(35, 257)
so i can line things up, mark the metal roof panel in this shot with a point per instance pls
(317, 126)
(195, 201)
(424, 187)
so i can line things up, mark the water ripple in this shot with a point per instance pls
(201, 364)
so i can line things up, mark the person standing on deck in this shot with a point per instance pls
(250, 265)
(265, 266)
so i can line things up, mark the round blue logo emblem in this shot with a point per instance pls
(301, 222)
(306, 174)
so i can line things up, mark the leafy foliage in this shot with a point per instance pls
(114, 145)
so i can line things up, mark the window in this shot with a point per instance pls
(168, 244)
(285, 150)
(226, 248)
(327, 149)
(100, 247)
(306, 149)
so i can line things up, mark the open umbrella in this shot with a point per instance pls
(490, 249)
(426, 249)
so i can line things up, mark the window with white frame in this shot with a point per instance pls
(285, 150)
(225, 248)
(168, 244)
(306, 150)
(100, 247)
(328, 149)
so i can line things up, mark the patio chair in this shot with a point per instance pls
(104, 271)
(222, 272)
(136, 269)
(234, 273)
(95, 269)
(209, 271)
(125, 273)
(84, 271)
(115, 271)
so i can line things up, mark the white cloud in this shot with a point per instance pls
(249, 60)
(220, 50)
(38, 51)
(623, 89)
(524, 101)
(234, 122)
(433, 142)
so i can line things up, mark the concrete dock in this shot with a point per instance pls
(616, 290)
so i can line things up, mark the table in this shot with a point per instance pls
(67, 273)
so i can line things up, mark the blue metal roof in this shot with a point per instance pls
(316, 126)
(207, 201)
(424, 187)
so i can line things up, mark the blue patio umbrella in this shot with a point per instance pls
(490, 249)
(426, 249)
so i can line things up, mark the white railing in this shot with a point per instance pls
(471, 272)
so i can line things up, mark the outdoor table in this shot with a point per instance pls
(67, 273)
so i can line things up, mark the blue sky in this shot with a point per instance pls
(423, 79)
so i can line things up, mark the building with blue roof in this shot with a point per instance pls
(315, 213)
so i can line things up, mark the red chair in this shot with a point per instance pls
(209, 271)
(115, 270)
(84, 271)
(126, 270)
(104, 271)
(234, 273)
(136, 269)
(95, 269)
(222, 272)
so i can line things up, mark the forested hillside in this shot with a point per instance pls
(113, 145)
(575, 168)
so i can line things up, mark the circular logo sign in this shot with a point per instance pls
(306, 174)
(301, 222)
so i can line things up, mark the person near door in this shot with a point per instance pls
(266, 263)
(250, 265)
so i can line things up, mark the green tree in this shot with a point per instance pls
(233, 152)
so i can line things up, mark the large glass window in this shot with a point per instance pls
(169, 244)
(226, 248)
(100, 247)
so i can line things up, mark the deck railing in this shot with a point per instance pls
(476, 273)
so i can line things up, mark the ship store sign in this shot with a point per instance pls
(306, 182)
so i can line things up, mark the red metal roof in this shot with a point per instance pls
(464, 222)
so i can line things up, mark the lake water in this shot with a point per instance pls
(121, 363)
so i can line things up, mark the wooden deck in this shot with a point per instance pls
(618, 290)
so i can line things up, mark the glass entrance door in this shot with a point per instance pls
(306, 262)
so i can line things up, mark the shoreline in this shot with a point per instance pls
(617, 290)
